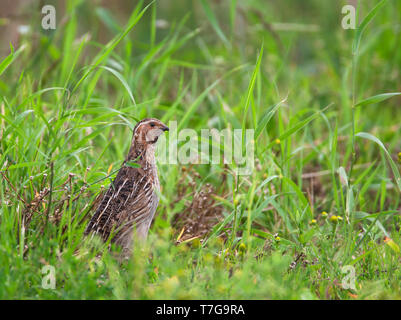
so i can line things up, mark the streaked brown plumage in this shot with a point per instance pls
(131, 200)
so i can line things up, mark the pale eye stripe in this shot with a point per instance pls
(145, 122)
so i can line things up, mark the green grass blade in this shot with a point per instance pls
(266, 118)
(361, 28)
(101, 57)
(213, 21)
(377, 98)
(7, 61)
(250, 91)
(393, 166)
(297, 127)
(120, 77)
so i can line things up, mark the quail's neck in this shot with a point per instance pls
(143, 154)
(150, 154)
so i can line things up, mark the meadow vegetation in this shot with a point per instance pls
(325, 190)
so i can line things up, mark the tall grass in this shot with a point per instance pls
(326, 141)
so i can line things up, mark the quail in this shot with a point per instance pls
(128, 206)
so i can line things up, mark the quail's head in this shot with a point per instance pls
(147, 131)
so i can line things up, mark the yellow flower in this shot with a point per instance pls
(242, 247)
(324, 214)
(277, 141)
(218, 261)
(170, 284)
(313, 221)
(334, 219)
(238, 273)
(182, 273)
(392, 244)
(277, 238)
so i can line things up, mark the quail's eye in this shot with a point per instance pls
(152, 124)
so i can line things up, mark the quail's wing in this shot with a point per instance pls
(138, 209)
(124, 190)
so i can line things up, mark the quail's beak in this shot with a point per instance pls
(165, 128)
